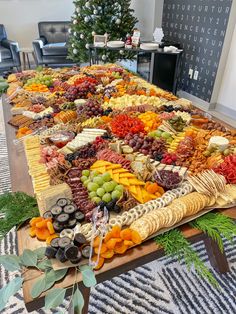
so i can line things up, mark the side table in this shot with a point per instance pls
(25, 56)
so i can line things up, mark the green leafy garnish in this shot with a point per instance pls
(216, 226)
(15, 209)
(175, 244)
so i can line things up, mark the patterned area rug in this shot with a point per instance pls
(161, 287)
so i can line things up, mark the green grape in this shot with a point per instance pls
(119, 188)
(106, 197)
(86, 173)
(83, 178)
(106, 177)
(116, 194)
(96, 200)
(92, 194)
(92, 186)
(108, 187)
(101, 192)
(86, 182)
(98, 180)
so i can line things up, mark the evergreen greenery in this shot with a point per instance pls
(175, 244)
(15, 209)
(114, 17)
(216, 226)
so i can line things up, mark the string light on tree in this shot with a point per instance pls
(104, 57)
(75, 22)
(93, 33)
(95, 12)
(87, 46)
(75, 51)
(118, 21)
(81, 36)
(86, 19)
(87, 4)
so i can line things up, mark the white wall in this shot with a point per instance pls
(20, 17)
(228, 87)
(145, 12)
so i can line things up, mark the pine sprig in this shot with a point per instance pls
(175, 244)
(216, 226)
(15, 209)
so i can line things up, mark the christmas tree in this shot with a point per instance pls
(99, 17)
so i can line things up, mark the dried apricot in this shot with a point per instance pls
(108, 254)
(120, 248)
(35, 220)
(136, 237)
(42, 233)
(103, 249)
(108, 237)
(42, 224)
(160, 190)
(50, 227)
(128, 243)
(32, 232)
(112, 242)
(100, 261)
(116, 231)
(96, 241)
(126, 234)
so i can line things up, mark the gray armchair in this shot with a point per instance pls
(9, 51)
(51, 46)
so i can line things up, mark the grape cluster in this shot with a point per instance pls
(71, 93)
(146, 145)
(91, 109)
(84, 88)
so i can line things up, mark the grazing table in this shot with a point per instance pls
(135, 257)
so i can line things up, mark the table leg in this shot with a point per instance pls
(217, 258)
(86, 295)
(33, 54)
(24, 61)
(27, 56)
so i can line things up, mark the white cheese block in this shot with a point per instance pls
(219, 141)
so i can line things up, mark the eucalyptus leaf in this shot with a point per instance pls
(29, 258)
(50, 279)
(12, 287)
(78, 302)
(54, 275)
(59, 274)
(45, 265)
(40, 252)
(54, 298)
(10, 262)
(88, 276)
(2, 301)
(38, 287)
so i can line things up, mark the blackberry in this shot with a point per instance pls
(158, 157)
